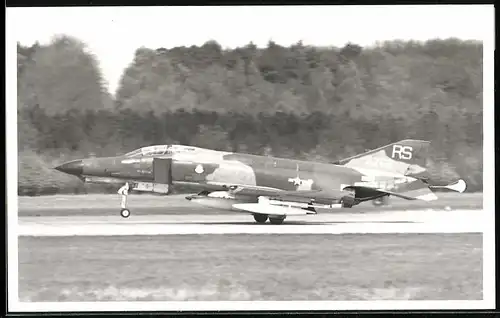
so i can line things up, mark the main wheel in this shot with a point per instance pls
(346, 203)
(260, 218)
(125, 213)
(276, 221)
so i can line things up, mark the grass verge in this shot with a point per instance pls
(252, 267)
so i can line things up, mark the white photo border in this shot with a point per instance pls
(14, 305)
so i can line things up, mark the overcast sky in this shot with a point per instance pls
(114, 33)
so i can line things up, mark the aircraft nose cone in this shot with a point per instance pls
(74, 167)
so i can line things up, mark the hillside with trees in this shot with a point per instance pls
(300, 102)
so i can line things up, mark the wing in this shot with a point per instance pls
(245, 189)
(252, 190)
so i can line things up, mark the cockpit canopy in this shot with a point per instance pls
(159, 150)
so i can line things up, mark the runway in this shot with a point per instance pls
(403, 221)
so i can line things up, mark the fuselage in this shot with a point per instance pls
(216, 170)
(265, 186)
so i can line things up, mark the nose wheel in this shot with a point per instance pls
(124, 212)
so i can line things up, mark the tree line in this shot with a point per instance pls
(299, 102)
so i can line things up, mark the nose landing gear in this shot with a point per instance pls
(124, 212)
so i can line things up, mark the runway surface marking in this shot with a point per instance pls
(455, 221)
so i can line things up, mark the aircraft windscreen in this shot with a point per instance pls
(148, 151)
(159, 150)
(155, 150)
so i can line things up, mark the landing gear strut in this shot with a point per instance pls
(124, 212)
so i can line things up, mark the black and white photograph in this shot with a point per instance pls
(250, 158)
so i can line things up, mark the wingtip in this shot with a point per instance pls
(459, 186)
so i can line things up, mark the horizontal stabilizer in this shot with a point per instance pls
(270, 209)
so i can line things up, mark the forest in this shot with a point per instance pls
(314, 103)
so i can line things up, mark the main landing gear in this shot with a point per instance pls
(124, 212)
(262, 218)
(276, 220)
(347, 202)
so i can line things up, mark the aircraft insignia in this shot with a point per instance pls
(199, 169)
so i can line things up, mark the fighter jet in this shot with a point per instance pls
(264, 186)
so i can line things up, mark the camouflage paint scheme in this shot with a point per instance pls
(396, 169)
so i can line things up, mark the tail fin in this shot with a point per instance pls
(405, 157)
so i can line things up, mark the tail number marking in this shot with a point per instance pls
(402, 152)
